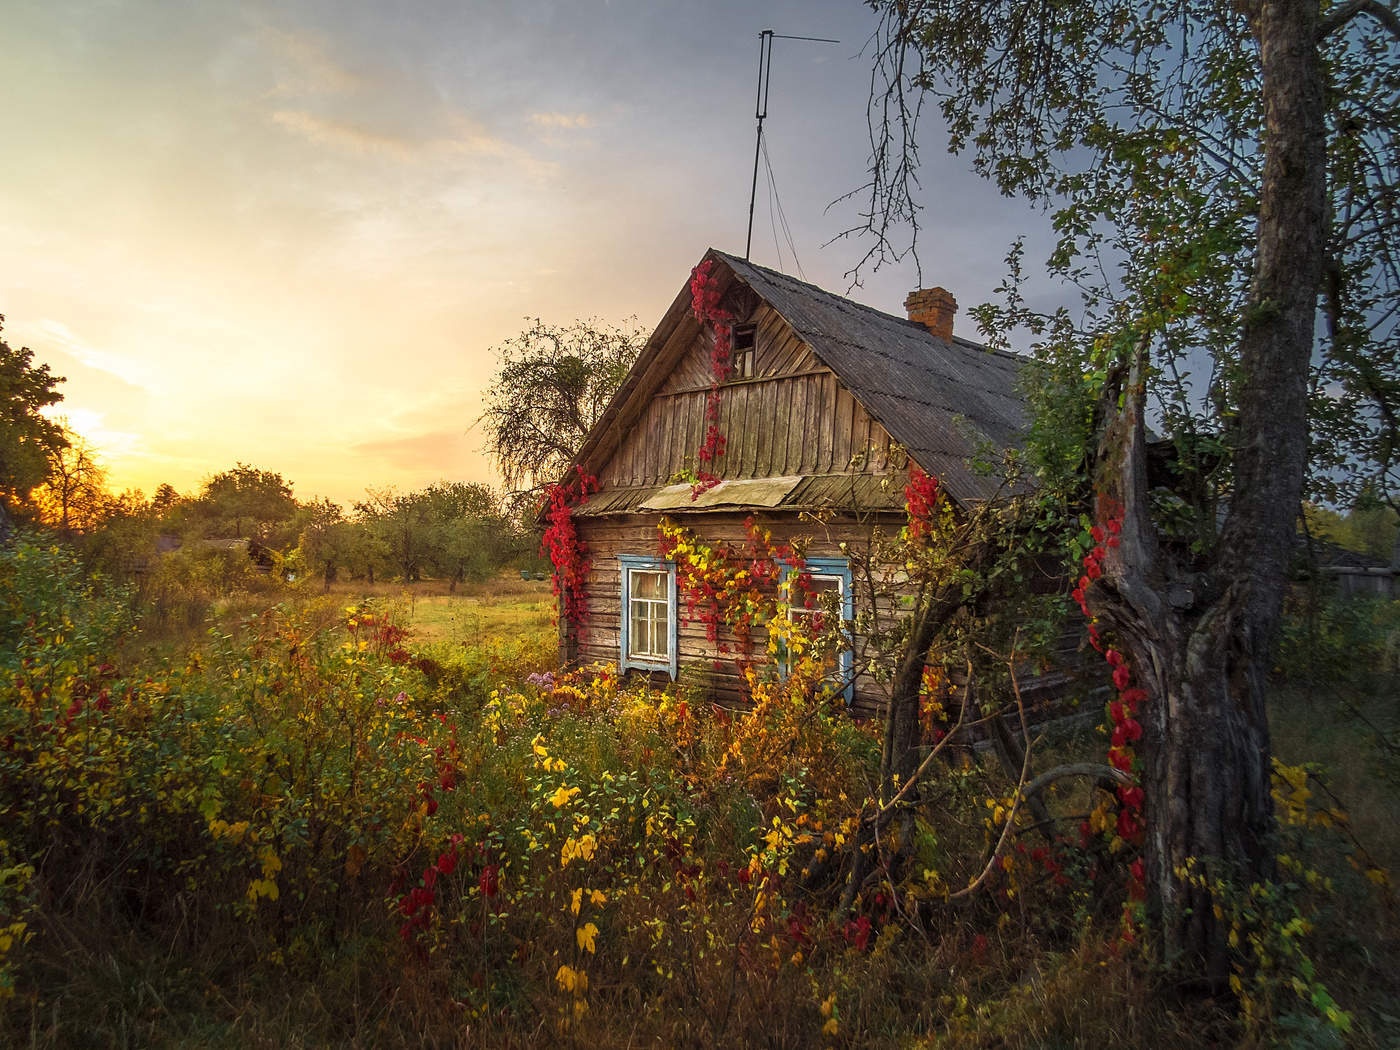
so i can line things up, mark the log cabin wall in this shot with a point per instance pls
(599, 639)
(794, 417)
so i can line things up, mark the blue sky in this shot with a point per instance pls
(290, 234)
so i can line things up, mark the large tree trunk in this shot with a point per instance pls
(1200, 642)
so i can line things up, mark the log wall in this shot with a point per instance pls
(599, 639)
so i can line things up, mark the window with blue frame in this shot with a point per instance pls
(648, 614)
(827, 582)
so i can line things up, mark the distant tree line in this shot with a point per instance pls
(241, 519)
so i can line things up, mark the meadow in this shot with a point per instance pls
(377, 817)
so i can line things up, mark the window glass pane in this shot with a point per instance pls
(661, 632)
(648, 615)
(812, 597)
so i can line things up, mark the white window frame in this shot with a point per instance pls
(627, 660)
(838, 569)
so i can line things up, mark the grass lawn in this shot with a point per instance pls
(505, 608)
(473, 620)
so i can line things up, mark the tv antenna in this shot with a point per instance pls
(760, 109)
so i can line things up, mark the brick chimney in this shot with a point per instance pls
(934, 309)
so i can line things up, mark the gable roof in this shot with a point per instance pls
(938, 398)
(918, 387)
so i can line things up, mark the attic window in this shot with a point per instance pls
(742, 353)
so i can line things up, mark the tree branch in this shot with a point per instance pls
(1343, 15)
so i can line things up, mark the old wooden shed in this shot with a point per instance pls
(822, 407)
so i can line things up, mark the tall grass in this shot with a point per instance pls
(301, 827)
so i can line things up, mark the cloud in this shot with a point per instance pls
(308, 68)
(463, 137)
(322, 131)
(90, 424)
(59, 334)
(561, 120)
(443, 452)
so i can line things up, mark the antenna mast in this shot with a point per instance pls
(760, 108)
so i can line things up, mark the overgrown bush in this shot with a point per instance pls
(305, 830)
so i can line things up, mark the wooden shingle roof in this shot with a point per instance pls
(938, 398)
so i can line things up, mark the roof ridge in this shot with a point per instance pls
(957, 341)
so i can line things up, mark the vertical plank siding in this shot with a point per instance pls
(803, 424)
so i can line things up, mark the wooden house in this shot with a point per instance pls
(825, 403)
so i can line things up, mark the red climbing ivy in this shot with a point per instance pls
(566, 552)
(729, 583)
(704, 303)
(1122, 711)
(921, 495)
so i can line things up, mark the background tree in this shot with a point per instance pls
(324, 540)
(400, 525)
(469, 532)
(74, 497)
(27, 438)
(1215, 169)
(246, 503)
(552, 385)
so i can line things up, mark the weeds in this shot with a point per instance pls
(309, 829)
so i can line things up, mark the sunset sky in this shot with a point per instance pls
(291, 234)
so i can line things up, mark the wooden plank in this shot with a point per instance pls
(691, 366)
(725, 420)
(825, 421)
(767, 426)
(782, 421)
(656, 444)
(797, 423)
(842, 432)
(761, 425)
(745, 430)
(759, 381)
(860, 436)
(879, 448)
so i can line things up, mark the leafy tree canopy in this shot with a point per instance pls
(552, 385)
(1144, 128)
(27, 437)
(245, 502)
(1217, 171)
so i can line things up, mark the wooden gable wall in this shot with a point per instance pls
(793, 417)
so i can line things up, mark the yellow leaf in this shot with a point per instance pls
(586, 935)
(576, 902)
(598, 897)
(561, 797)
(571, 980)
